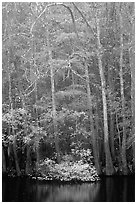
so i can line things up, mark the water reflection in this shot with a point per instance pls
(69, 193)
(109, 189)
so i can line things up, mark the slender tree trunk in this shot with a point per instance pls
(28, 161)
(97, 133)
(28, 158)
(119, 143)
(53, 99)
(37, 137)
(37, 123)
(14, 141)
(94, 142)
(35, 72)
(3, 161)
(20, 91)
(109, 164)
(16, 158)
(119, 140)
(123, 153)
(132, 67)
(112, 132)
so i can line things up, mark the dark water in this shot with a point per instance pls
(109, 189)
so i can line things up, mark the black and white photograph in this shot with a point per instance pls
(68, 101)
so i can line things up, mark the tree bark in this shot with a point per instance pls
(16, 158)
(37, 153)
(28, 161)
(3, 161)
(53, 99)
(97, 133)
(109, 164)
(118, 131)
(119, 142)
(36, 112)
(14, 141)
(94, 141)
(110, 74)
(112, 130)
(123, 153)
(132, 67)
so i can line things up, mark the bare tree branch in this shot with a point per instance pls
(56, 4)
(84, 19)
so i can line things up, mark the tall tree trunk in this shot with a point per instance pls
(112, 132)
(110, 74)
(132, 67)
(94, 141)
(123, 153)
(14, 141)
(37, 136)
(36, 111)
(109, 164)
(53, 99)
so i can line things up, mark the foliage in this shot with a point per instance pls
(84, 155)
(68, 171)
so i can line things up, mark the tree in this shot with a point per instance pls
(123, 153)
(132, 64)
(109, 164)
(53, 98)
(93, 135)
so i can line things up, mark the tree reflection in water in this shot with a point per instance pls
(76, 193)
(108, 189)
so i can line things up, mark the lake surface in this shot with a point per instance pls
(115, 189)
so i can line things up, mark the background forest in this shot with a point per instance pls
(68, 85)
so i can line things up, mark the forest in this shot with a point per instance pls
(68, 89)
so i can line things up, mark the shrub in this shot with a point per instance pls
(68, 171)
